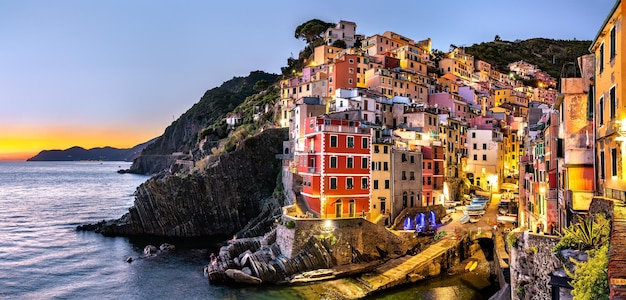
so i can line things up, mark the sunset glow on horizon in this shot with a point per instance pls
(28, 142)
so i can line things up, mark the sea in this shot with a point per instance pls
(42, 256)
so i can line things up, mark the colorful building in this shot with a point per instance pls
(610, 114)
(335, 169)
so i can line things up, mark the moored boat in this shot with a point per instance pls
(464, 219)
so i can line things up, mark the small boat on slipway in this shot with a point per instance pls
(464, 219)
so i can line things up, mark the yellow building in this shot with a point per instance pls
(380, 189)
(610, 112)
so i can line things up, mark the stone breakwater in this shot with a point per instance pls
(350, 257)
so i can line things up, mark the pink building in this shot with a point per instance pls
(457, 106)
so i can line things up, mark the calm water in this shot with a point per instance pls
(43, 257)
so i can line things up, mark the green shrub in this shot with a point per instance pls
(511, 239)
(589, 233)
(290, 224)
(590, 280)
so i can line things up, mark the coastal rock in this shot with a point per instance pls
(241, 277)
(216, 201)
(150, 250)
(167, 247)
(434, 269)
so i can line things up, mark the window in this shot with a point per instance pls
(613, 102)
(403, 175)
(484, 156)
(350, 143)
(473, 135)
(375, 184)
(613, 162)
(601, 112)
(403, 157)
(484, 146)
(333, 183)
(349, 162)
(412, 175)
(365, 143)
(363, 182)
(349, 183)
(333, 141)
(385, 149)
(333, 161)
(376, 149)
(601, 58)
(613, 45)
(475, 156)
(364, 163)
(412, 159)
(386, 166)
(387, 184)
(430, 166)
(475, 146)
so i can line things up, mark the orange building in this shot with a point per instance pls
(343, 73)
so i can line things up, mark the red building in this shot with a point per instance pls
(343, 73)
(335, 168)
(428, 170)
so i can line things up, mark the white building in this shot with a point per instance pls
(484, 158)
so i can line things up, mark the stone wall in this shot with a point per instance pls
(531, 264)
(345, 235)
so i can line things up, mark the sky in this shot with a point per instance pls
(118, 72)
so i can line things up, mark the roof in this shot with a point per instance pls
(606, 21)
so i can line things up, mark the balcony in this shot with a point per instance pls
(313, 170)
(342, 128)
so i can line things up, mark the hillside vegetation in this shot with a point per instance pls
(181, 135)
(551, 56)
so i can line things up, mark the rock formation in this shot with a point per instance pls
(182, 135)
(261, 259)
(216, 201)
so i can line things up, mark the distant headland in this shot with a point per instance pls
(77, 153)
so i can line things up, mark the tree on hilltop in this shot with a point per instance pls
(312, 30)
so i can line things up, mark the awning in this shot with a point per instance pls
(508, 186)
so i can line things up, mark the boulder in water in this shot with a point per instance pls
(242, 277)
(167, 247)
(150, 250)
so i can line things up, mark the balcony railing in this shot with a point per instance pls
(340, 128)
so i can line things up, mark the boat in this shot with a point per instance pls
(504, 218)
(446, 219)
(473, 267)
(474, 207)
(474, 212)
(469, 265)
(474, 220)
(464, 219)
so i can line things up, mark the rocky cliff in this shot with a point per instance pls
(182, 135)
(217, 200)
